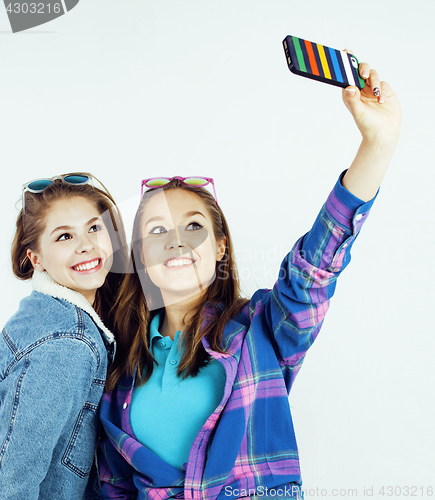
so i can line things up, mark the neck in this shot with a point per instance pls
(90, 297)
(174, 318)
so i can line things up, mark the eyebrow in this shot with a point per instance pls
(68, 228)
(192, 213)
(185, 216)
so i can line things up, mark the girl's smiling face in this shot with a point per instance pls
(179, 249)
(75, 247)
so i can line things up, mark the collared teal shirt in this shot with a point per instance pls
(167, 412)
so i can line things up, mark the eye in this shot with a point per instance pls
(64, 237)
(158, 230)
(95, 227)
(194, 226)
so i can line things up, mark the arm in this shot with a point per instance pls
(378, 118)
(300, 298)
(42, 397)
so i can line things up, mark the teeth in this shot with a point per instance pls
(179, 262)
(87, 266)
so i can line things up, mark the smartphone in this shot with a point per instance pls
(322, 63)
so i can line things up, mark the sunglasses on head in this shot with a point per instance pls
(158, 182)
(38, 185)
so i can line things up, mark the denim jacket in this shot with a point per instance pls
(53, 364)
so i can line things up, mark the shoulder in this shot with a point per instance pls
(41, 316)
(44, 283)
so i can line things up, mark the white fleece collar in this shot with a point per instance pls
(42, 282)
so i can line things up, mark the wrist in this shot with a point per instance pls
(364, 176)
(379, 145)
(380, 139)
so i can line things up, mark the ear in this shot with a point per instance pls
(221, 246)
(35, 260)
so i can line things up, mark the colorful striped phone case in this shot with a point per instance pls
(321, 63)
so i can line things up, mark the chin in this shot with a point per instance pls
(93, 287)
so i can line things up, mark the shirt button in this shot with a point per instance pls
(173, 362)
(162, 343)
(124, 406)
(358, 217)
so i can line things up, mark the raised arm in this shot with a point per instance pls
(377, 114)
(299, 301)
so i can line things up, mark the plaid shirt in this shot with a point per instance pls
(247, 446)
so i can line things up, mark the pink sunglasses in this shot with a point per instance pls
(158, 182)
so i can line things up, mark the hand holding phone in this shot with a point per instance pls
(322, 63)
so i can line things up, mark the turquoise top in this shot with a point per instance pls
(167, 412)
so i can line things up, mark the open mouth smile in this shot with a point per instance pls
(91, 265)
(177, 263)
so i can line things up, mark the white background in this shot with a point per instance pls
(135, 89)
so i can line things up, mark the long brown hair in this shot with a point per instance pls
(31, 222)
(134, 316)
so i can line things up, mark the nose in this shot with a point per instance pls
(84, 244)
(173, 239)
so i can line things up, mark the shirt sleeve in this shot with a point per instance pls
(297, 305)
(327, 246)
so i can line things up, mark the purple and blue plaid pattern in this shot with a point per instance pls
(248, 443)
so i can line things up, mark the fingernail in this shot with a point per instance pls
(365, 74)
(350, 91)
(381, 99)
(376, 92)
